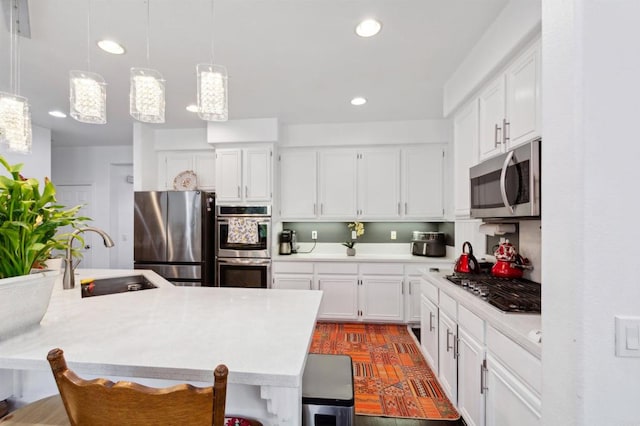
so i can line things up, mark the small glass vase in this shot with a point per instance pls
(351, 251)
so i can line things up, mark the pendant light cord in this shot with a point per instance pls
(148, 62)
(89, 35)
(211, 31)
(11, 46)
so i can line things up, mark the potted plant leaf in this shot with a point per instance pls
(30, 221)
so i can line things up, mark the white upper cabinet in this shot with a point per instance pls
(172, 163)
(243, 174)
(379, 183)
(337, 183)
(422, 182)
(465, 145)
(298, 183)
(510, 105)
(523, 98)
(492, 118)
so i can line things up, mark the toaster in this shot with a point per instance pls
(430, 244)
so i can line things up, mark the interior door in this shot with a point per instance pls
(73, 195)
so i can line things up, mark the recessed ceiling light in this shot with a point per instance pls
(368, 28)
(57, 114)
(358, 101)
(111, 46)
(192, 108)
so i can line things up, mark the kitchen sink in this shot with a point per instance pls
(104, 286)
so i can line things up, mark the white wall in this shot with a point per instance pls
(590, 168)
(38, 163)
(518, 22)
(93, 165)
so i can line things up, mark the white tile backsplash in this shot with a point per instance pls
(530, 247)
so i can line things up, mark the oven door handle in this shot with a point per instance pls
(252, 261)
(503, 182)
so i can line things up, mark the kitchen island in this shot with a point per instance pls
(173, 334)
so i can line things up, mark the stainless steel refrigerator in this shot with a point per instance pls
(174, 235)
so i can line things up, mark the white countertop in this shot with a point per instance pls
(177, 333)
(516, 326)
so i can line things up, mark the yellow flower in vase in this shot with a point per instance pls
(358, 228)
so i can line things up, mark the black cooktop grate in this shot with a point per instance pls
(507, 294)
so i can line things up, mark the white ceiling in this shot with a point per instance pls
(297, 60)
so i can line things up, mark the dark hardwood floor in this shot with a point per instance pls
(392, 421)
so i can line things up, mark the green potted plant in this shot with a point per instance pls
(30, 220)
(357, 228)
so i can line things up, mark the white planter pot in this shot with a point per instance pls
(24, 301)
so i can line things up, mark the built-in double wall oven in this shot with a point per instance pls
(243, 246)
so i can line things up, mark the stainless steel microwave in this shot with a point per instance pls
(507, 186)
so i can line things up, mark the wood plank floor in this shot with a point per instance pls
(392, 421)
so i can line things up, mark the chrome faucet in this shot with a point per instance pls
(68, 279)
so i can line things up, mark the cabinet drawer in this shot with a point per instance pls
(471, 323)
(292, 268)
(449, 305)
(337, 268)
(429, 290)
(381, 269)
(521, 362)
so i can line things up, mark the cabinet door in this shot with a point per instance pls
(171, 164)
(228, 175)
(298, 195)
(523, 98)
(205, 168)
(379, 184)
(413, 296)
(429, 332)
(471, 400)
(293, 282)
(257, 174)
(338, 184)
(465, 153)
(382, 299)
(492, 113)
(447, 345)
(339, 298)
(509, 402)
(422, 182)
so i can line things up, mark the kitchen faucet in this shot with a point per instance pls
(68, 279)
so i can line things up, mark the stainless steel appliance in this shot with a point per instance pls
(513, 295)
(174, 235)
(507, 186)
(243, 246)
(430, 244)
(285, 246)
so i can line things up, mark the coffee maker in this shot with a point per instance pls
(285, 241)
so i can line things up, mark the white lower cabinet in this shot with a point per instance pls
(471, 400)
(429, 332)
(340, 297)
(382, 298)
(413, 300)
(292, 282)
(509, 401)
(448, 358)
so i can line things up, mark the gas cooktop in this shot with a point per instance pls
(507, 294)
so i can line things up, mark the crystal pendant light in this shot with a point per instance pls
(15, 114)
(147, 92)
(87, 90)
(88, 97)
(212, 94)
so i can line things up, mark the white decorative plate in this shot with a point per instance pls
(185, 181)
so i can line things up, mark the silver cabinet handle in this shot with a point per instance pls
(505, 136)
(405, 208)
(246, 191)
(449, 333)
(495, 136)
(483, 377)
(456, 346)
(410, 285)
(431, 327)
(321, 208)
(238, 191)
(503, 181)
(315, 209)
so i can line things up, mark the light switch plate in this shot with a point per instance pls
(393, 235)
(627, 336)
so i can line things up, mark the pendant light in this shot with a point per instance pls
(15, 114)
(147, 91)
(87, 90)
(212, 94)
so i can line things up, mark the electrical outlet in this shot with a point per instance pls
(393, 235)
(354, 235)
(314, 235)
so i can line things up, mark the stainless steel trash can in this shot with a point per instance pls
(327, 391)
